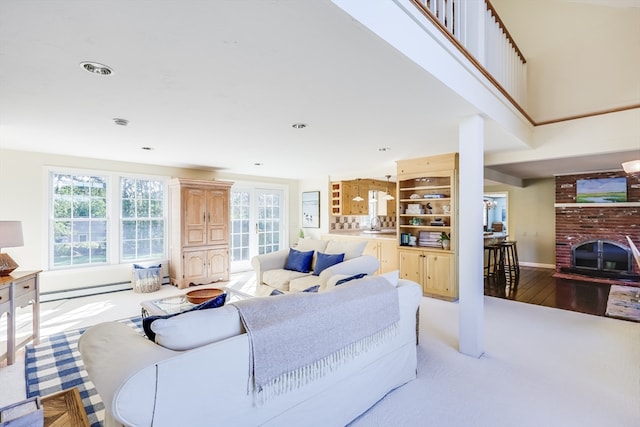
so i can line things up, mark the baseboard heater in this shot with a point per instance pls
(90, 290)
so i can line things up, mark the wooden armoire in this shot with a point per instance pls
(198, 231)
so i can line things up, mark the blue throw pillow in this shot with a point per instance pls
(139, 267)
(299, 261)
(212, 303)
(313, 289)
(347, 279)
(324, 261)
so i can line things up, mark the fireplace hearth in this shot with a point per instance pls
(591, 237)
(602, 258)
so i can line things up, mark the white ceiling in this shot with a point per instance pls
(218, 84)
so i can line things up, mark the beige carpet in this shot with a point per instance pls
(543, 367)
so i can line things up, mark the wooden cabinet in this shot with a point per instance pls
(199, 231)
(384, 249)
(343, 192)
(386, 252)
(434, 270)
(427, 196)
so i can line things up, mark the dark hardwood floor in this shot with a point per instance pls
(538, 286)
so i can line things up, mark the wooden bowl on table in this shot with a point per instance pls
(198, 296)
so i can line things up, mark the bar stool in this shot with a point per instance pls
(511, 265)
(493, 262)
(494, 270)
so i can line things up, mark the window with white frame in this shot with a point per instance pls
(142, 219)
(79, 220)
(81, 232)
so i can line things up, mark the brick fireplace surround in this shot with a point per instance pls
(576, 223)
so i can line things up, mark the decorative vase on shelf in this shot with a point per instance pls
(446, 244)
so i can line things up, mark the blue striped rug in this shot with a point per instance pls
(55, 365)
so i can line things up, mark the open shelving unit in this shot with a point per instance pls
(427, 207)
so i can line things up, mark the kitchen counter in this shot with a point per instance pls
(384, 234)
(493, 238)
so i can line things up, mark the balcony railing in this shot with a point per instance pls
(475, 28)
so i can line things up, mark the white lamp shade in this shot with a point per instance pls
(631, 167)
(11, 234)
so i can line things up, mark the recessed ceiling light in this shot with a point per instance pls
(121, 122)
(299, 125)
(147, 148)
(96, 68)
(258, 164)
(383, 149)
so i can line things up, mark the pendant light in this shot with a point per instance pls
(358, 198)
(388, 196)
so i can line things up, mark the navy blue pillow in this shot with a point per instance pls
(299, 261)
(354, 277)
(139, 267)
(212, 303)
(324, 261)
(313, 289)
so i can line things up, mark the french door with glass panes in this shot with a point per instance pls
(257, 224)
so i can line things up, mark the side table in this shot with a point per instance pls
(17, 290)
(64, 409)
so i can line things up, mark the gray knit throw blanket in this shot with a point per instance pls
(298, 337)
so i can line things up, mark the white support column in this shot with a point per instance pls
(471, 243)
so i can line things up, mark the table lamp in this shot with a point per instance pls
(10, 237)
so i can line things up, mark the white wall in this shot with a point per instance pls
(581, 57)
(24, 197)
(532, 220)
(321, 184)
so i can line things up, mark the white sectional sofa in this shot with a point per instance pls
(271, 272)
(143, 383)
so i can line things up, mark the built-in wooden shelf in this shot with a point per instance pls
(599, 205)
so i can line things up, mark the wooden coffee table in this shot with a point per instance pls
(178, 304)
(64, 409)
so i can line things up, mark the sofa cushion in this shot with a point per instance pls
(350, 249)
(299, 261)
(301, 283)
(324, 261)
(197, 328)
(212, 303)
(281, 278)
(312, 245)
(392, 277)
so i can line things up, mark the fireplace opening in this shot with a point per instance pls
(602, 258)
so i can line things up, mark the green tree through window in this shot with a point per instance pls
(79, 219)
(142, 219)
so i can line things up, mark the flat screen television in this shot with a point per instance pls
(601, 190)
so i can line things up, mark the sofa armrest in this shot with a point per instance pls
(270, 261)
(366, 264)
(113, 352)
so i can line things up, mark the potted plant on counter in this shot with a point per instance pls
(445, 240)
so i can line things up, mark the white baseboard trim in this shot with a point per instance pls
(538, 265)
(90, 290)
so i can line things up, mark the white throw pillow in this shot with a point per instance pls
(350, 249)
(198, 328)
(305, 245)
(392, 277)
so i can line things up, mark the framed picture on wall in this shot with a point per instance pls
(311, 209)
